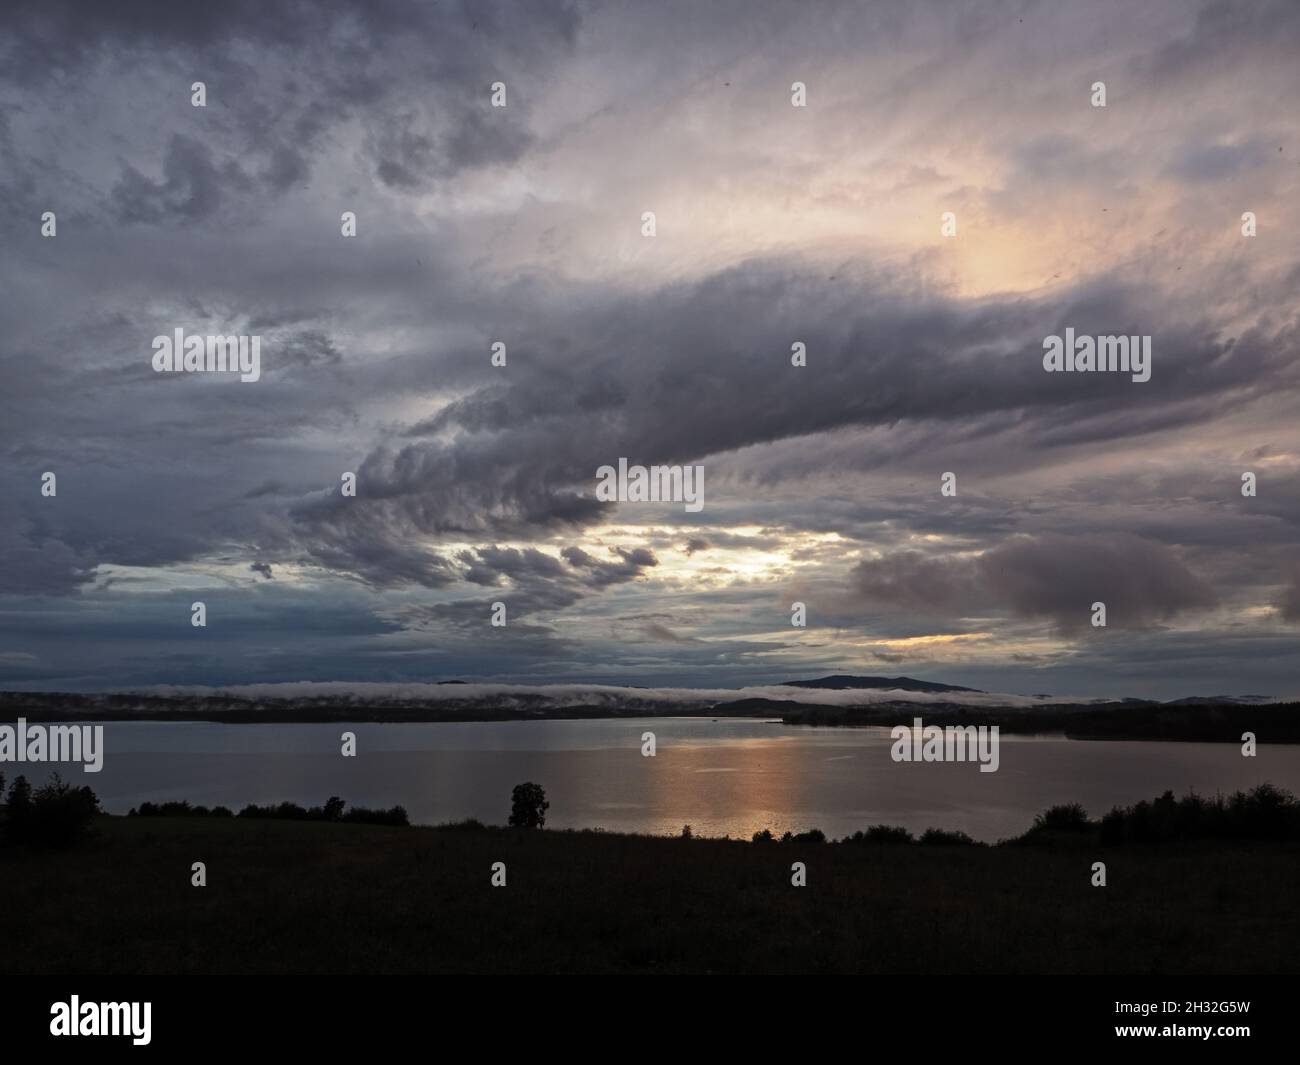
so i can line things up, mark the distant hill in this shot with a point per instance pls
(837, 700)
(841, 681)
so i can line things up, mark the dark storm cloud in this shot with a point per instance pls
(534, 587)
(520, 457)
(383, 549)
(309, 348)
(600, 572)
(480, 224)
(283, 79)
(1288, 603)
(1052, 576)
(36, 563)
(410, 152)
(917, 582)
(190, 189)
(266, 488)
(487, 565)
(541, 582)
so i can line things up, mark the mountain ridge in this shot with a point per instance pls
(846, 681)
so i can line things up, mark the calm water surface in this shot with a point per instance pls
(725, 777)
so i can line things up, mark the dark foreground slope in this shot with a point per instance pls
(297, 897)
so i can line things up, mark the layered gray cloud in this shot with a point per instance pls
(775, 225)
(1050, 576)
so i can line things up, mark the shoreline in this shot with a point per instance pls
(1274, 723)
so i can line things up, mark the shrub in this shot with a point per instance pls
(881, 834)
(54, 815)
(176, 808)
(942, 838)
(1112, 826)
(360, 815)
(334, 810)
(813, 835)
(1069, 817)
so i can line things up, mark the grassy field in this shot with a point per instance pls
(295, 897)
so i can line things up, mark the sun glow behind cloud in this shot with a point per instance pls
(775, 224)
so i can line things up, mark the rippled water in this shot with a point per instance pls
(725, 777)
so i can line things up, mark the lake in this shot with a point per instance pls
(722, 777)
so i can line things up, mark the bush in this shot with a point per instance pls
(881, 834)
(763, 837)
(360, 815)
(165, 809)
(528, 806)
(942, 838)
(813, 835)
(54, 815)
(1112, 826)
(1069, 817)
(334, 810)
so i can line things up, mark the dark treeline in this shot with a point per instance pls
(1263, 813)
(237, 710)
(874, 834)
(1201, 722)
(334, 810)
(56, 814)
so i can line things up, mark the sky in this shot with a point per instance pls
(774, 225)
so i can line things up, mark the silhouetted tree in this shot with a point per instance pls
(54, 815)
(20, 796)
(528, 806)
(1265, 812)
